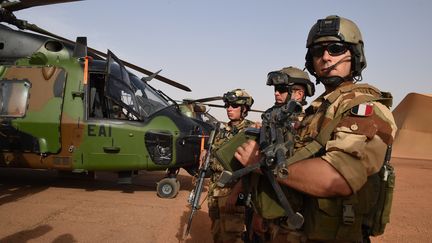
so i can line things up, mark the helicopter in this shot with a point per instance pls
(68, 107)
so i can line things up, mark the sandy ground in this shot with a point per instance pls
(39, 206)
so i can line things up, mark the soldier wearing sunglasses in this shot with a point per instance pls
(341, 163)
(225, 210)
(292, 83)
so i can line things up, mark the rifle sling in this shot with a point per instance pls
(294, 220)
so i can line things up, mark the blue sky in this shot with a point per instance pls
(216, 46)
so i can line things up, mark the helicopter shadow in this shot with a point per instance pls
(36, 232)
(200, 228)
(17, 184)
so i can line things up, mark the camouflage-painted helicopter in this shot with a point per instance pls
(68, 107)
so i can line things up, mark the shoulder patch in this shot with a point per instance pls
(365, 109)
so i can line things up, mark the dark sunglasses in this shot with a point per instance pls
(334, 49)
(232, 105)
(281, 88)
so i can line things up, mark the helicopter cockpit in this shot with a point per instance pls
(114, 93)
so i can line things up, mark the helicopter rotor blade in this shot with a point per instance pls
(214, 105)
(147, 72)
(22, 24)
(221, 106)
(19, 5)
(207, 99)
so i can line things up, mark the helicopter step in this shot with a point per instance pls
(125, 177)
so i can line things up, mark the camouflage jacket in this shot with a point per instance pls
(221, 138)
(358, 144)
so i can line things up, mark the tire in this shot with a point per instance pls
(168, 188)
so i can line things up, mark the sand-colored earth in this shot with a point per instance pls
(413, 119)
(38, 206)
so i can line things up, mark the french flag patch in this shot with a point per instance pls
(365, 109)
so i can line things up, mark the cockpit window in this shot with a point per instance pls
(13, 97)
(149, 101)
(119, 94)
(119, 89)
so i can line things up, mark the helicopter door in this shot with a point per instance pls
(119, 89)
(114, 136)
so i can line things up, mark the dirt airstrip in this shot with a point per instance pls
(40, 206)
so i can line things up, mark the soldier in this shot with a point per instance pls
(227, 217)
(290, 82)
(343, 142)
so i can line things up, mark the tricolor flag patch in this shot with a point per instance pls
(362, 109)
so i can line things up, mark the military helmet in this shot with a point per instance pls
(338, 29)
(239, 97)
(290, 76)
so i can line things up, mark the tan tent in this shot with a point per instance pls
(413, 118)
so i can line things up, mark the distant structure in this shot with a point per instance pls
(413, 118)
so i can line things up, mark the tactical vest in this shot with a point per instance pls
(364, 213)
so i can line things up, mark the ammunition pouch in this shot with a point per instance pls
(380, 215)
(343, 218)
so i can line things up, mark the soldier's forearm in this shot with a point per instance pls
(318, 178)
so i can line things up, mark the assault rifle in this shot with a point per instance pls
(276, 125)
(195, 195)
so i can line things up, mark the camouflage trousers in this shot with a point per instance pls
(226, 226)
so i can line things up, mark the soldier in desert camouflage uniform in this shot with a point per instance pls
(227, 217)
(346, 133)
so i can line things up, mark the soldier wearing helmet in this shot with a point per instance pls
(342, 148)
(290, 82)
(226, 214)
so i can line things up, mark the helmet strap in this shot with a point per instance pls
(333, 81)
(243, 112)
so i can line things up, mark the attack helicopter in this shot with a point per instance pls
(68, 107)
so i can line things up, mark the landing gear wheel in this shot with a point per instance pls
(168, 187)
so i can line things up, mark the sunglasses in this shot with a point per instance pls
(232, 105)
(334, 49)
(281, 88)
